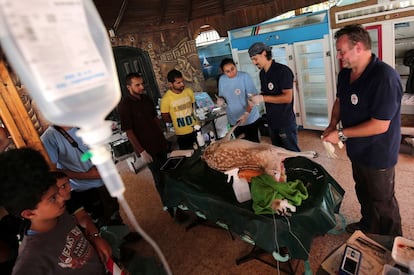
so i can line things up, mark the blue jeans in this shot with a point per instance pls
(285, 137)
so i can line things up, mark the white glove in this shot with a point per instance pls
(330, 149)
(220, 101)
(256, 99)
(242, 120)
(146, 157)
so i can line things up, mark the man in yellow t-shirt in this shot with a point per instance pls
(177, 106)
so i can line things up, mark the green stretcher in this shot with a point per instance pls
(194, 185)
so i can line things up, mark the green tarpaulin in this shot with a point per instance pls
(206, 191)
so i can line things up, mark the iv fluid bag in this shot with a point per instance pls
(61, 51)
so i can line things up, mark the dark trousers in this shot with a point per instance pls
(250, 131)
(103, 208)
(285, 137)
(375, 192)
(155, 166)
(186, 141)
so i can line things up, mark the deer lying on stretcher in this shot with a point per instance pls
(250, 159)
(227, 154)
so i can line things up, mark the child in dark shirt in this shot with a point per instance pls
(53, 243)
(83, 219)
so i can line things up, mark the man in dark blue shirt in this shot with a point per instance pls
(277, 93)
(368, 106)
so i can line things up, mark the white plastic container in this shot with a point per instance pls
(199, 136)
(390, 270)
(240, 185)
(403, 251)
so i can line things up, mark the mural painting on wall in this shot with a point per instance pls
(183, 57)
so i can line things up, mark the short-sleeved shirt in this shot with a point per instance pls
(139, 115)
(65, 156)
(180, 108)
(236, 91)
(279, 77)
(375, 94)
(63, 250)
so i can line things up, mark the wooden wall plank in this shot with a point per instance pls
(14, 115)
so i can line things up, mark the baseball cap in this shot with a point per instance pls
(258, 48)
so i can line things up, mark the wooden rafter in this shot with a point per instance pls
(120, 15)
(189, 10)
(163, 10)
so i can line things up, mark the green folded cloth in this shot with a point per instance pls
(265, 189)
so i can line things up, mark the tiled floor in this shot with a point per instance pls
(208, 250)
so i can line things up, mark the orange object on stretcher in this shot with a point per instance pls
(248, 174)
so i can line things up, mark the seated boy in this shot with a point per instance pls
(83, 219)
(53, 244)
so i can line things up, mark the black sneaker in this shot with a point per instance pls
(352, 227)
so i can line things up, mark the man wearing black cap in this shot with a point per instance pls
(277, 93)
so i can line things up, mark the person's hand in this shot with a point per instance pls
(146, 157)
(328, 129)
(331, 135)
(330, 148)
(242, 120)
(256, 99)
(102, 247)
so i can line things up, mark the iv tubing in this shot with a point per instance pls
(146, 237)
(115, 186)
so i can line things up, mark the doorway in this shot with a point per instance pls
(130, 59)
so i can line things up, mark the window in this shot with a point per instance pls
(208, 37)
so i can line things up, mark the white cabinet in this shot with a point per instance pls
(243, 63)
(391, 28)
(310, 62)
(314, 77)
(404, 42)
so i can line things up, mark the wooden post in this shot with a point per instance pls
(14, 115)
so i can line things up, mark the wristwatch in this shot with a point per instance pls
(94, 235)
(341, 135)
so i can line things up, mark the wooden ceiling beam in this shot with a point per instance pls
(189, 10)
(222, 7)
(163, 10)
(121, 14)
(141, 15)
